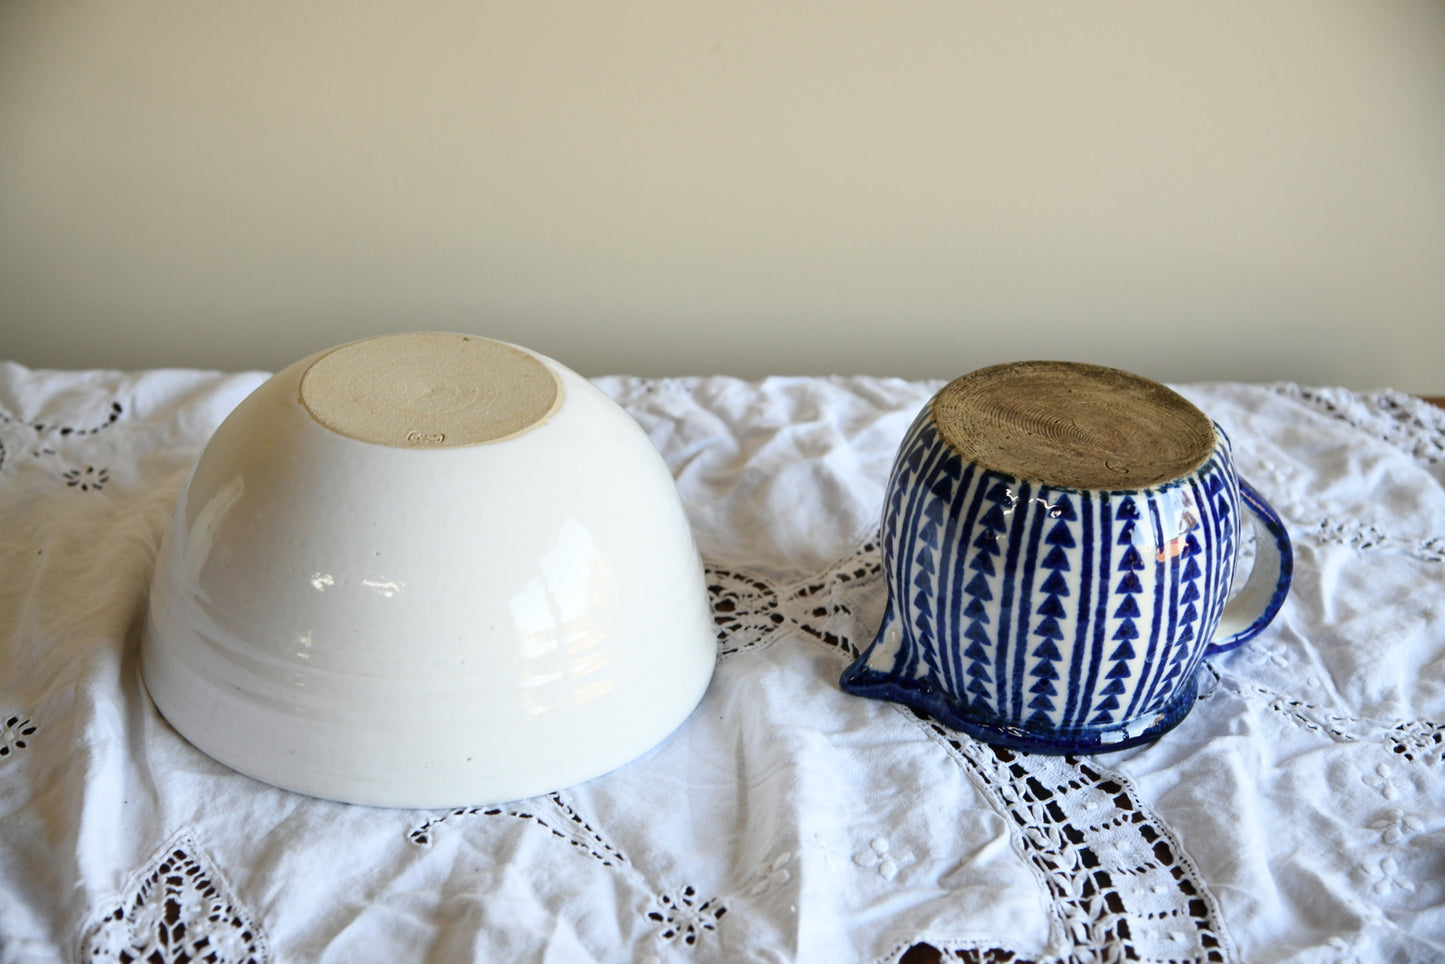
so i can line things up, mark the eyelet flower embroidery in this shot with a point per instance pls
(684, 918)
(89, 478)
(15, 735)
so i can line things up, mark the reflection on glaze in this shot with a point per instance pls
(562, 641)
(202, 535)
(385, 588)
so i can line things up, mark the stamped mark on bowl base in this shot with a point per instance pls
(422, 390)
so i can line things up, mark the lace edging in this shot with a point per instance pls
(177, 910)
(1412, 425)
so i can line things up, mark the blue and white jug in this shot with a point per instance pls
(1059, 543)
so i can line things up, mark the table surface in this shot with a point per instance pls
(1295, 815)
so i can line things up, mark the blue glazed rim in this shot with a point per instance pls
(924, 697)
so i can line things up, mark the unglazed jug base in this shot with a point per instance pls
(1073, 425)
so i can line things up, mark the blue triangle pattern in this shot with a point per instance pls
(993, 519)
(1130, 583)
(1045, 670)
(1131, 563)
(933, 511)
(976, 632)
(980, 652)
(978, 588)
(1048, 628)
(1123, 651)
(976, 652)
(1189, 597)
(1055, 587)
(1051, 607)
(1057, 558)
(1060, 535)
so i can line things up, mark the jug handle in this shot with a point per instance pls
(1252, 608)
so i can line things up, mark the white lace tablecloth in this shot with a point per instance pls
(1298, 814)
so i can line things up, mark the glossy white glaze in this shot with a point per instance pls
(427, 627)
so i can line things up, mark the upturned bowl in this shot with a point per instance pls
(427, 570)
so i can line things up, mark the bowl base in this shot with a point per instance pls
(429, 390)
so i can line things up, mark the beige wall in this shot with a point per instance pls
(1195, 190)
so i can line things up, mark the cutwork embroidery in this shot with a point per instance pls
(683, 917)
(1418, 740)
(1368, 538)
(178, 911)
(1120, 885)
(565, 824)
(1414, 741)
(15, 735)
(42, 440)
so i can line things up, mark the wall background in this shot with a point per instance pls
(1191, 189)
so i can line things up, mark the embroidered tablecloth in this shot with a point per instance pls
(1298, 814)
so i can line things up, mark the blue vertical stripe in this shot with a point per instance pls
(1006, 593)
(978, 484)
(1036, 511)
(952, 551)
(1088, 582)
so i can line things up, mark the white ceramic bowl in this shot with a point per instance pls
(428, 570)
